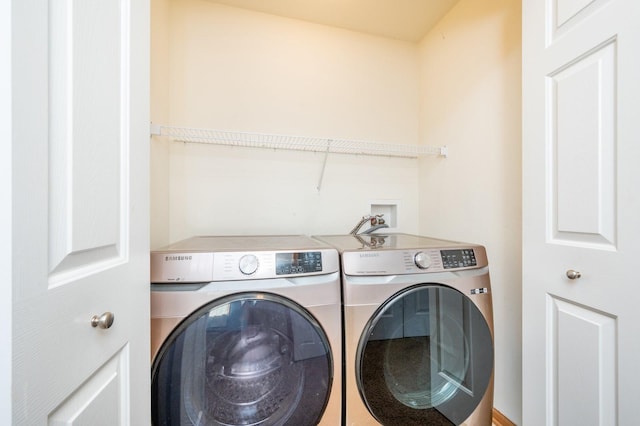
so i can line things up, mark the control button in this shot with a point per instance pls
(248, 264)
(422, 260)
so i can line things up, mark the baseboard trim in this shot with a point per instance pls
(500, 419)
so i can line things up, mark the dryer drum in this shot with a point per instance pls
(426, 357)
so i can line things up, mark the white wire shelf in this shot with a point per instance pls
(296, 143)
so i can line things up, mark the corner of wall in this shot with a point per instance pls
(159, 113)
(474, 195)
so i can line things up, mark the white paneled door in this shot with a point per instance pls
(80, 101)
(581, 152)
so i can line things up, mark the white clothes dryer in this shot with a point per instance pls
(246, 330)
(418, 330)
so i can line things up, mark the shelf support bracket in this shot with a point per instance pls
(155, 129)
(324, 165)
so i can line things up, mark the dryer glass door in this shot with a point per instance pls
(425, 357)
(246, 359)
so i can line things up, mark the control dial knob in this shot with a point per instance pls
(248, 264)
(422, 260)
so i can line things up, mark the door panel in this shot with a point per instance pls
(580, 206)
(581, 103)
(101, 400)
(451, 336)
(390, 324)
(88, 147)
(582, 360)
(80, 208)
(563, 15)
(416, 315)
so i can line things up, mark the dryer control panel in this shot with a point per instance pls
(415, 261)
(460, 258)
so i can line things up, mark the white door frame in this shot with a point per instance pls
(5, 213)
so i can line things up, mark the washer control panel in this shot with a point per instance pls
(298, 263)
(229, 266)
(248, 264)
(422, 260)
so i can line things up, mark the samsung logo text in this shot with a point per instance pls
(170, 258)
(369, 254)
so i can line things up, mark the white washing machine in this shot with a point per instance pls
(418, 330)
(246, 331)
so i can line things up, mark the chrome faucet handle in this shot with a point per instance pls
(375, 221)
(356, 228)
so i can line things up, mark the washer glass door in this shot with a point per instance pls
(425, 357)
(246, 359)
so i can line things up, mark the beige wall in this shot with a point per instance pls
(234, 69)
(159, 113)
(470, 76)
(226, 68)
